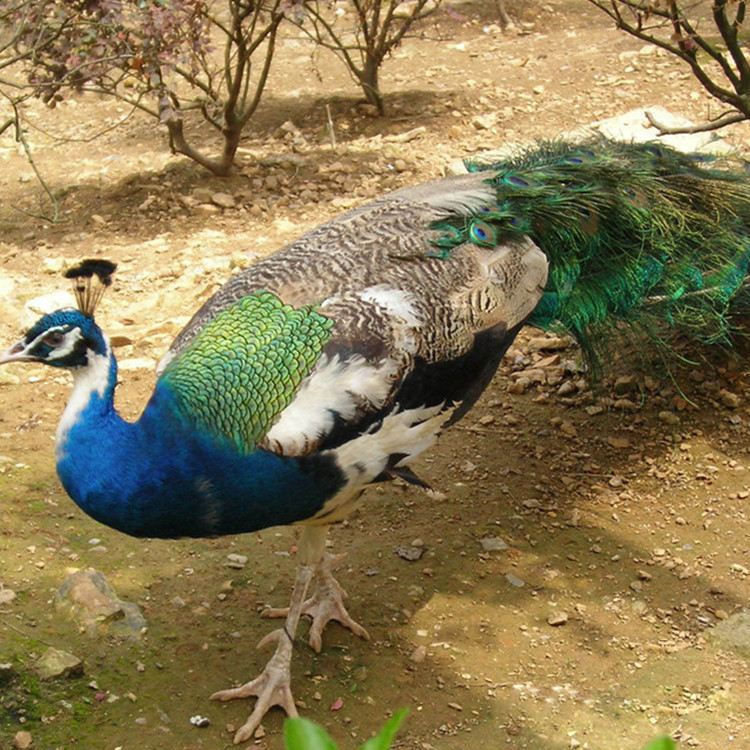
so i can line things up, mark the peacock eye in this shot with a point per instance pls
(54, 338)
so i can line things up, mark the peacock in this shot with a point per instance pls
(330, 365)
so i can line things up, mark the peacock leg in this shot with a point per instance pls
(326, 604)
(273, 686)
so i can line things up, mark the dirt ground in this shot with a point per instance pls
(624, 513)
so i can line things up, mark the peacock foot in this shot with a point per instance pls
(326, 604)
(272, 687)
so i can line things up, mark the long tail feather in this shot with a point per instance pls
(635, 234)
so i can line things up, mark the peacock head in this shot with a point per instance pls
(64, 338)
(69, 337)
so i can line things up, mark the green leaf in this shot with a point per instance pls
(387, 733)
(662, 743)
(302, 734)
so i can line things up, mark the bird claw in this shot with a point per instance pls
(272, 687)
(326, 604)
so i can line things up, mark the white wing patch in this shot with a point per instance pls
(343, 386)
(408, 433)
(334, 386)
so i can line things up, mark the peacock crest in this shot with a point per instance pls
(90, 280)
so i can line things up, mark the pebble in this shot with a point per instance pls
(197, 721)
(57, 663)
(202, 195)
(223, 200)
(514, 580)
(87, 597)
(411, 554)
(6, 595)
(518, 387)
(567, 388)
(549, 343)
(734, 631)
(557, 618)
(22, 740)
(625, 384)
(669, 417)
(207, 209)
(484, 122)
(493, 544)
(418, 655)
(53, 265)
(237, 562)
(729, 399)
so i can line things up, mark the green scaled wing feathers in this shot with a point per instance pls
(244, 368)
(635, 234)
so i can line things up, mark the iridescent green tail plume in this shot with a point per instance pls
(635, 234)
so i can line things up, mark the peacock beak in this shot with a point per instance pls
(16, 353)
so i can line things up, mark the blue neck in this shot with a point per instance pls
(161, 477)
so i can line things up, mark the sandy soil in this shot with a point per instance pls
(632, 524)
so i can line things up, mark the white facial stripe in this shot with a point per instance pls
(86, 382)
(44, 334)
(68, 345)
(70, 339)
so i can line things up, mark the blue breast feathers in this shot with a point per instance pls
(161, 477)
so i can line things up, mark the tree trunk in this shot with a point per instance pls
(369, 82)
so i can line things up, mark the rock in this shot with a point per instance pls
(532, 374)
(207, 209)
(6, 672)
(90, 600)
(514, 580)
(7, 286)
(519, 386)
(202, 195)
(22, 740)
(418, 655)
(56, 663)
(45, 303)
(618, 442)
(567, 388)
(128, 364)
(734, 632)
(625, 384)
(8, 378)
(223, 200)
(235, 561)
(493, 544)
(549, 343)
(729, 399)
(557, 618)
(53, 266)
(669, 417)
(118, 340)
(484, 122)
(409, 553)
(6, 595)
(568, 429)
